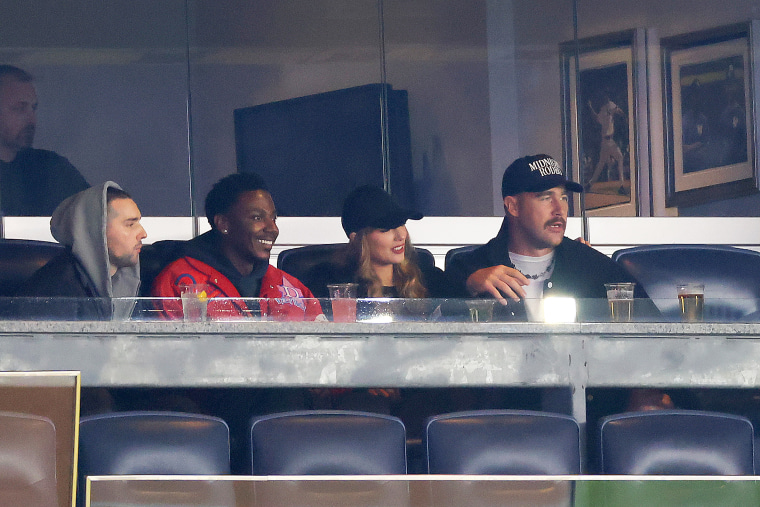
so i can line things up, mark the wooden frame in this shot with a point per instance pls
(605, 120)
(711, 98)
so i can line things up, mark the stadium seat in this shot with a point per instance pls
(731, 277)
(327, 442)
(502, 442)
(676, 442)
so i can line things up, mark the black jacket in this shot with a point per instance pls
(579, 272)
(36, 182)
(60, 290)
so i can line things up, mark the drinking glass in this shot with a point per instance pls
(620, 299)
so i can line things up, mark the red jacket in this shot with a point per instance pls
(286, 297)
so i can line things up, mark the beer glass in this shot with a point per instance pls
(620, 299)
(691, 298)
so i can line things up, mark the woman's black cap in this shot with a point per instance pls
(371, 206)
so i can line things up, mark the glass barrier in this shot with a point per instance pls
(112, 87)
(663, 100)
(550, 310)
(423, 491)
(291, 90)
(157, 98)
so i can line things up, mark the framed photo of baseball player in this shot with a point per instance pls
(604, 91)
(711, 98)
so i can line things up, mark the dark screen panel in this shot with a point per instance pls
(314, 150)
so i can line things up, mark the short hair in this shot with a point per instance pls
(113, 193)
(8, 72)
(227, 190)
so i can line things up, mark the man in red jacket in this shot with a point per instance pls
(232, 259)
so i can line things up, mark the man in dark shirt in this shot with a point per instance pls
(32, 182)
(531, 258)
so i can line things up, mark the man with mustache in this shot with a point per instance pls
(32, 181)
(530, 257)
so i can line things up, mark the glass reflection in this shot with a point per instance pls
(290, 90)
(111, 83)
(479, 79)
(372, 310)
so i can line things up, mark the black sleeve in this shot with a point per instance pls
(57, 291)
(64, 180)
(436, 283)
(585, 272)
(461, 267)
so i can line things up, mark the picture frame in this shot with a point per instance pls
(605, 122)
(711, 99)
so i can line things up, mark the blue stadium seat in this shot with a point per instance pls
(676, 442)
(20, 258)
(502, 442)
(146, 442)
(328, 442)
(451, 254)
(731, 277)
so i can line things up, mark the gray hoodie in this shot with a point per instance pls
(79, 222)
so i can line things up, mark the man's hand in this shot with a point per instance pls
(499, 281)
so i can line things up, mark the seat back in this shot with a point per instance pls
(731, 277)
(676, 442)
(27, 460)
(502, 442)
(145, 443)
(454, 252)
(154, 257)
(327, 442)
(298, 261)
(20, 258)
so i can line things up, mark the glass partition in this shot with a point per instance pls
(686, 309)
(449, 94)
(291, 90)
(457, 60)
(111, 82)
(686, 112)
(423, 491)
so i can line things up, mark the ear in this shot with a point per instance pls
(351, 236)
(221, 223)
(510, 206)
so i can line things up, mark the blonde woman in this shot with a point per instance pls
(379, 255)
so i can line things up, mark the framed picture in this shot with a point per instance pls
(711, 100)
(604, 90)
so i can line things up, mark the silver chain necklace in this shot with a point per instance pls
(541, 274)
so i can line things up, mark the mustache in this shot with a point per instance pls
(555, 221)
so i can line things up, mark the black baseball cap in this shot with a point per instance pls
(535, 173)
(371, 206)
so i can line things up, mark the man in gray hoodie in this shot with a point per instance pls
(98, 276)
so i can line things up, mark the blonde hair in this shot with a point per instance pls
(407, 277)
